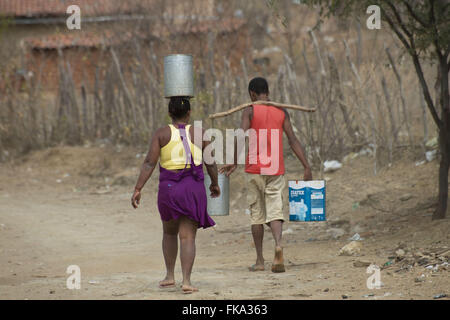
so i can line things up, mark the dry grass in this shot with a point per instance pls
(125, 104)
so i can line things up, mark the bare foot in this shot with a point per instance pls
(188, 289)
(256, 267)
(278, 261)
(167, 283)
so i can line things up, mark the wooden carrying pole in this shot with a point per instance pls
(266, 103)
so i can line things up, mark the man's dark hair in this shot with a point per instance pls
(179, 107)
(258, 85)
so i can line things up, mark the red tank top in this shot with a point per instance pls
(265, 155)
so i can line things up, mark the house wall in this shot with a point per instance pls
(17, 59)
(84, 61)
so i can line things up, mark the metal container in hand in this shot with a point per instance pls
(219, 206)
(178, 76)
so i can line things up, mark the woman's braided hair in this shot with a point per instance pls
(179, 107)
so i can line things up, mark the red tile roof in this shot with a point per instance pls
(222, 25)
(92, 40)
(80, 40)
(52, 8)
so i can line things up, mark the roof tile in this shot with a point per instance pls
(108, 38)
(45, 8)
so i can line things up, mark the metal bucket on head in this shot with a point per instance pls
(219, 206)
(178, 76)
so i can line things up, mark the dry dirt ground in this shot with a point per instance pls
(71, 206)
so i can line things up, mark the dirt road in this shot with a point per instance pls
(70, 206)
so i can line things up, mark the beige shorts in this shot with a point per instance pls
(265, 198)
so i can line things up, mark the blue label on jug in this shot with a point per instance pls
(307, 200)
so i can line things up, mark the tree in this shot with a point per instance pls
(423, 28)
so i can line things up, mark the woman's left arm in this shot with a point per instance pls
(211, 168)
(150, 162)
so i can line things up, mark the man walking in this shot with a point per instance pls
(265, 169)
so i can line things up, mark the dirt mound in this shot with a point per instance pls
(91, 162)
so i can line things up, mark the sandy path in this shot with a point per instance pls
(119, 249)
(46, 226)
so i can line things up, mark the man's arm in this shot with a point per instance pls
(295, 145)
(245, 125)
(150, 162)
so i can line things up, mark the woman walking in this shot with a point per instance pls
(182, 200)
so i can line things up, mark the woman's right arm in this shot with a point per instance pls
(150, 162)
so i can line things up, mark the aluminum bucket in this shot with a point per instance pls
(178, 76)
(219, 206)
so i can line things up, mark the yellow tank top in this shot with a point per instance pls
(173, 156)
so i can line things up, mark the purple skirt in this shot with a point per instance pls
(183, 194)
